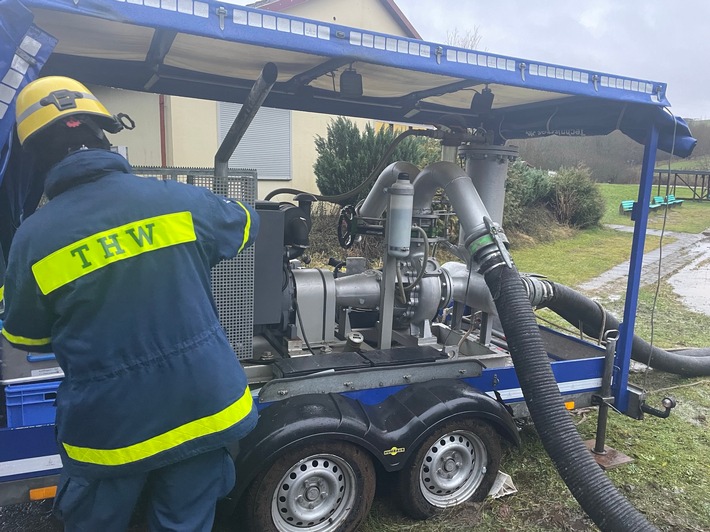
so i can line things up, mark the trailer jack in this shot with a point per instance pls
(605, 456)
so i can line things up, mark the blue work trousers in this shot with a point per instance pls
(181, 497)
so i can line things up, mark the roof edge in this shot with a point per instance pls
(401, 18)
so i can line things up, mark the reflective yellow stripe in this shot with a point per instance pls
(101, 249)
(220, 421)
(2, 292)
(25, 341)
(247, 227)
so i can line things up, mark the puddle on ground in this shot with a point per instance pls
(692, 283)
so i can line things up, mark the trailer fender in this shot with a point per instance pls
(389, 429)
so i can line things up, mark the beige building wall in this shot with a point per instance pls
(143, 142)
(190, 127)
(192, 138)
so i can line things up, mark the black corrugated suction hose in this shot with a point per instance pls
(590, 486)
(578, 309)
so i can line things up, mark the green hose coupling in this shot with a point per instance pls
(494, 240)
(480, 243)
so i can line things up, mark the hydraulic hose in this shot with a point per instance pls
(585, 313)
(595, 493)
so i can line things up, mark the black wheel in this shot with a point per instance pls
(320, 487)
(457, 463)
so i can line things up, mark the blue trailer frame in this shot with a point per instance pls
(310, 49)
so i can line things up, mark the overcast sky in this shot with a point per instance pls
(658, 40)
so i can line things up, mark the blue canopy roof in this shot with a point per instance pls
(212, 50)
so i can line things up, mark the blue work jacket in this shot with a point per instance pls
(2, 284)
(113, 276)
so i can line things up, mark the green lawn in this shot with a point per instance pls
(586, 254)
(582, 257)
(691, 217)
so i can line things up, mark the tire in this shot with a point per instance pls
(459, 462)
(318, 487)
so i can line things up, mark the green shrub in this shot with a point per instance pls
(346, 157)
(575, 199)
(526, 188)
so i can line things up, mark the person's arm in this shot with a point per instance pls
(27, 323)
(234, 225)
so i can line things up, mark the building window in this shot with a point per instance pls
(266, 146)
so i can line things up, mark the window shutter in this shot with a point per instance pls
(266, 146)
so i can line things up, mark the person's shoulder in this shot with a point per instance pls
(40, 221)
(187, 189)
(30, 232)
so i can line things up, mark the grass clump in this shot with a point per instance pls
(674, 325)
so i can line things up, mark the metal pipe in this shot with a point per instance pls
(163, 134)
(251, 105)
(626, 329)
(611, 337)
(469, 287)
(487, 165)
(376, 201)
(361, 290)
(458, 188)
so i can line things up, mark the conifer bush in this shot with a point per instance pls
(346, 156)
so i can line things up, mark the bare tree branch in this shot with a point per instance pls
(469, 40)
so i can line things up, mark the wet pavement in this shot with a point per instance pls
(34, 517)
(692, 283)
(684, 263)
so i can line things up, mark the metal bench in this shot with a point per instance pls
(667, 201)
(673, 201)
(626, 206)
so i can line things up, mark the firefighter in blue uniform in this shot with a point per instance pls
(113, 276)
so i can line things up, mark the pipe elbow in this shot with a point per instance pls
(460, 190)
(375, 203)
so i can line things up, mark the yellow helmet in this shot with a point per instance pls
(46, 100)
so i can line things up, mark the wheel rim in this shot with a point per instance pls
(453, 468)
(316, 494)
